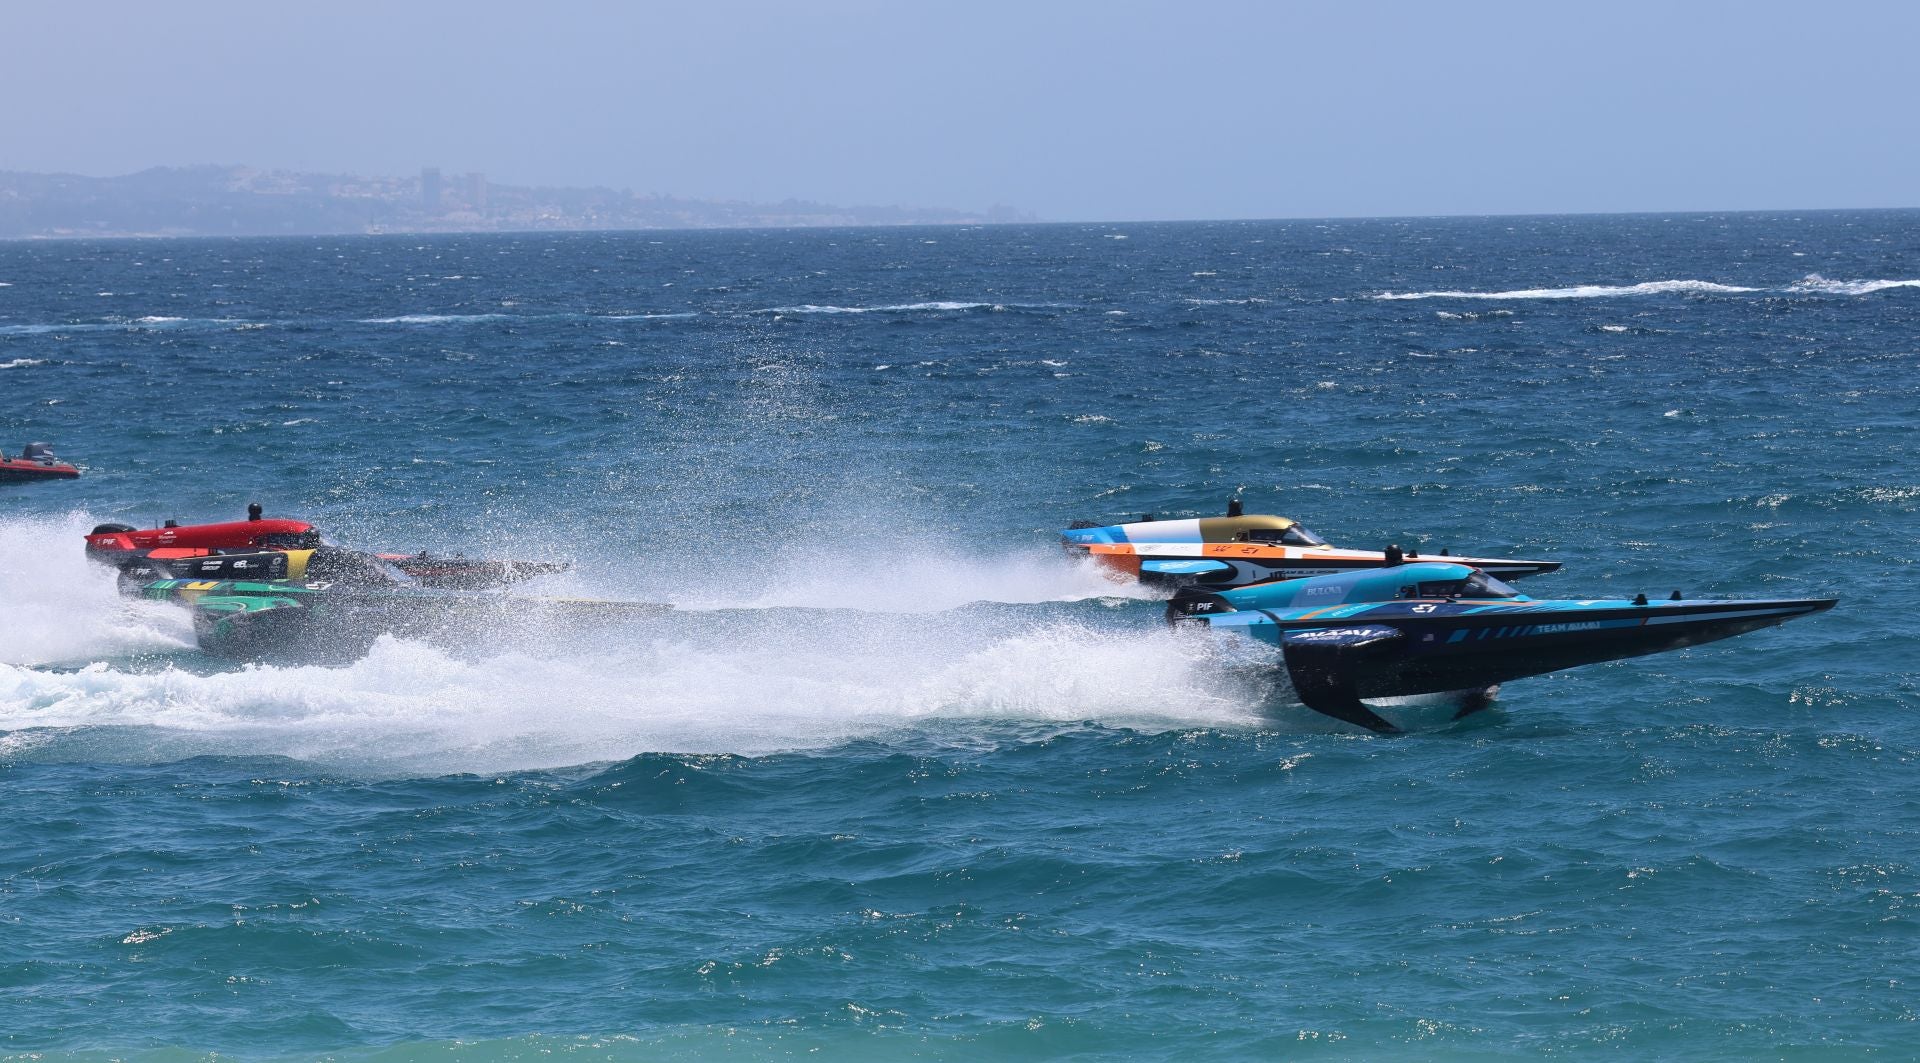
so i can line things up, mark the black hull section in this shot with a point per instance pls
(1334, 668)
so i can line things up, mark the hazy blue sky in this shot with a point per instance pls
(1073, 110)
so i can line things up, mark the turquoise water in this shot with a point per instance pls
(898, 779)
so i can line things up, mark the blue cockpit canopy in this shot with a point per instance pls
(1425, 579)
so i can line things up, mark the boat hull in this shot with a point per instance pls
(1219, 566)
(13, 470)
(1339, 658)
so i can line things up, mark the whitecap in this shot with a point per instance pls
(1587, 291)
(43, 330)
(22, 363)
(1814, 282)
(432, 319)
(810, 308)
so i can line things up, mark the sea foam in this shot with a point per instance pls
(809, 661)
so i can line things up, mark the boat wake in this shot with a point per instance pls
(57, 607)
(411, 708)
(824, 659)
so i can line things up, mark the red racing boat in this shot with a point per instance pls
(179, 550)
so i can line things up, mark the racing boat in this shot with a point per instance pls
(1236, 550)
(328, 605)
(194, 549)
(1434, 628)
(36, 462)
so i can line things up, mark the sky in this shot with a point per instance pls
(1071, 110)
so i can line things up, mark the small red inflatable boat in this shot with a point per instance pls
(35, 463)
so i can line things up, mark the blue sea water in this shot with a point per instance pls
(900, 780)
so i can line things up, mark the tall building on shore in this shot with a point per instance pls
(430, 188)
(477, 192)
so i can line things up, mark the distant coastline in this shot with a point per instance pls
(244, 201)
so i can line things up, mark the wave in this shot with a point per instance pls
(432, 319)
(140, 324)
(888, 309)
(156, 321)
(1811, 284)
(22, 363)
(42, 330)
(1586, 291)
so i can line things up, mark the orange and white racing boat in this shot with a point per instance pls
(1235, 550)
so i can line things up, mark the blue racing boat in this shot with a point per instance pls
(1435, 628)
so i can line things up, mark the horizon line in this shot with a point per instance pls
(417, 233)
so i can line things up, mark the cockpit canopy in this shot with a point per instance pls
(1422, 579)
(1291, 535)
(1476, 585)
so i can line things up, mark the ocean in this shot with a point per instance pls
(898, 779)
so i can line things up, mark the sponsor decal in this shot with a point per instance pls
(1327, 633)
(1557, 629)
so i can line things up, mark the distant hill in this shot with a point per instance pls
(241, 201)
